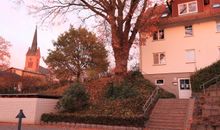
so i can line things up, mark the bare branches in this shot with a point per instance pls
(125, 18)
(4, 53)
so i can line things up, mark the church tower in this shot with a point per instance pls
(33, 56)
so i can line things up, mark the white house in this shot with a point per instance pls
(188, 39)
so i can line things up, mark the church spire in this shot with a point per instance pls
(34, 42)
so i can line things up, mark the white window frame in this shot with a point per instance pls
(187, 8)
(159, 58)
(187, 35)
(158, 34)
(193, 60)
(217, 26)
(159, 84)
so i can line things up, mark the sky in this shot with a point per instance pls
(17, 26)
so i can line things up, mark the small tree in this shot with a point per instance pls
(75, 98)
(4, 53)
(77, 51)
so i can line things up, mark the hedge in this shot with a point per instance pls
(203, 75)
(138, 121)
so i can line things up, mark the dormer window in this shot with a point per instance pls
(187, 8)
(158, 35)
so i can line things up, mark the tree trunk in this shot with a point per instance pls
(121, 60)
(78, 77)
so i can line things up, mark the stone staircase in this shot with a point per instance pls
(211, 107)
(171, 114)
(207, 109)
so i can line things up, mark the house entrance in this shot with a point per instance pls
(184, 88)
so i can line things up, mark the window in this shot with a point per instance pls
(188, 31)
(158, 35)
(159, 58)
(217, 5)
(190, 56)
(184, 84)
(218, 26)
(186, 8)
(159, 82)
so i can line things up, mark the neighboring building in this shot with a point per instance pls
(188, 39)
(25, 73)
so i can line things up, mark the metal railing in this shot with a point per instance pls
(212, 81)
(151, 100)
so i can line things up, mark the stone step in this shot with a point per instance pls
(153, 126)
(162, 123)
(170, 111)
(169, 114)
(167, 120)
(173, 106)
(162, 129)
(167, 117)
(211, 107)
(165, 107)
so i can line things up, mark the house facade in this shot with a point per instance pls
(187, 39)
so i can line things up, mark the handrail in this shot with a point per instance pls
(203, 86)
(151, 99)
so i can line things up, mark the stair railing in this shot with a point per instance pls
(210, 82)
(151, 100)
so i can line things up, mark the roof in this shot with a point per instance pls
(37, 73)
(43, 70)
(192, 18)
(9, 75)
(166, 19)
(33, 50)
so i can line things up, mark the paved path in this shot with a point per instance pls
(7, 126)
(11, 126)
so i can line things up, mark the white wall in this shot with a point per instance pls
(205, 41)
(44, 106)
(33, 108)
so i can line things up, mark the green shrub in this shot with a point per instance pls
(164, 94)
(137, 121)
(8, 90)
(203, 75)
(74, 99)
(120, 91)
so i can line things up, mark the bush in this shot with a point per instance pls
(74, 99)
(8, 90)
(204, 75)
(137, 121)
(121, 91)
(164, 94)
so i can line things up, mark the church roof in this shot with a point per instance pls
(43, 70)
(33, 49)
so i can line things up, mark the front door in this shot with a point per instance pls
(184, 88)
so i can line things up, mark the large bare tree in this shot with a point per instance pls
(125, 18)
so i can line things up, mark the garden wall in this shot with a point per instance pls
(33, 107)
